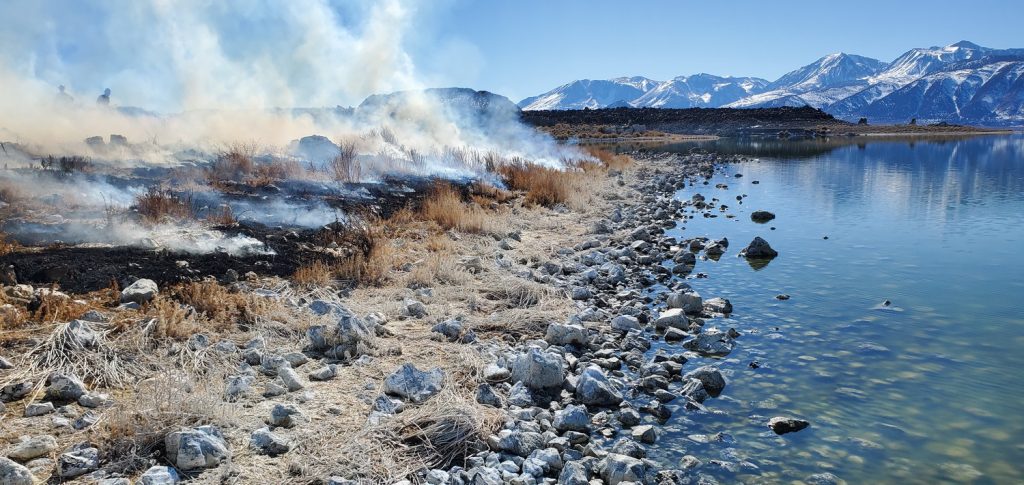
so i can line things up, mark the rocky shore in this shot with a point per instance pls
(580, 400)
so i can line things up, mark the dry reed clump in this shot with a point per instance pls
(444, 206)
(543, 185)
(55, 306)
(12, 317)
(315, 274)
(66, 165)
(84, 349)
(370, 255)
(158, 205)
(609, 159)
(436, 268)
(132, 432)
(223, 216)
(345, 166)
(7, 246)
(172, 320)
(217, 308)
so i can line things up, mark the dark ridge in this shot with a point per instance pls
(689, 120)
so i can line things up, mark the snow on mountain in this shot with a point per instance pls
(699, 91)
(588, 93)
(961, 82)
(989, 90)
(821, 83)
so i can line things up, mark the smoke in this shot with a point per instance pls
(190, 77)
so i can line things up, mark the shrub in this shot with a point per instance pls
(543, 185)
(317, 273)
(345, 167)
(159, 204)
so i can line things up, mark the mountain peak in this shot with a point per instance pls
(965, 44)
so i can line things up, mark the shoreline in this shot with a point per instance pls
(530, 341)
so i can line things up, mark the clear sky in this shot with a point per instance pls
(525, 47)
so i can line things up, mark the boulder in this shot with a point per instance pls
(347, 338)
(761, 217)
(520, 443)
(12, 473)
(572, 418)
(710, 377)
(159, 475)
(565, 334)
(711, 342)
(539, 370)
(141, 291)
(672, 318)
(290, 378)
(594, 389)
(485, 395)
(759, 249)
(414, 385)
(617, 468)
(78, 461)
(33, 447)
(285, 415)
(196, 448)
(644, 434)
(717, 305)
(264, 442)
(625, 323)
(785, 424)
(688, 301)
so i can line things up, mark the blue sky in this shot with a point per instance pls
(527, 47)
(195, 54)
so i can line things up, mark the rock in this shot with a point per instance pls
(192, 449)
(485, 395)
(711, 342)
(324, 373)
(414, 308)
(628, 417)
(823, 479)
(783, 424)
(694, 390)
(80, 334)
(12, 473)
(80, 460)
(710, 377)
(38, 409)
(449, 329)
(573, 473)
(674, 335)
(672, 318)
(159, 475)
(621, 468)
(562, 334)
(296, 359)
(64, 387)
(90, 400)
(34, 447)
(718, 305)
(628, 447)
(761, 217)
(238, 386)
(520, 443)
(285, 415)
(15, 391)
(690, 302)
(539, 370)
(290, 378)
(520, 395)
(142, 291)
(572, 418)
(5, 364)
(415, 385)
(625, 323)
(267, 443)
(347, 338)
(644, 434)
(594, 389)
(496, 373)
(759, 249)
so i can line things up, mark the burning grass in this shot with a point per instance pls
(160, 204)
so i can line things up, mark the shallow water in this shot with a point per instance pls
(930, 392)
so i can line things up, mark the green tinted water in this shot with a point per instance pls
(931, 393)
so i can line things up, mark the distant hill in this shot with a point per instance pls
(958, 83)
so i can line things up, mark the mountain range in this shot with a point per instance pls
(958, 83)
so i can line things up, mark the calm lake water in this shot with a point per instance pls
(929, 392)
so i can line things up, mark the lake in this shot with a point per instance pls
(927, 390)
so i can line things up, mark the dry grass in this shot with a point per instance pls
(444, 206)
(543, 185)
(172, 320)
(7, 246)
(57, 307)
(12, 317)
(315, 274)
(158, 205)
(609, 159)
(345, 167)
(223, 216)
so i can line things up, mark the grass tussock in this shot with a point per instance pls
(315, 274)
(160, 205)
(445, 207)
(222, 216)
(542, 185)
(238, 164)
(7, 246)
(345, 166)
(609, 159)
(12, 317)
(172, 320)
(55, 306)
(213, 303)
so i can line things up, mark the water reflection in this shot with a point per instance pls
(926, 389)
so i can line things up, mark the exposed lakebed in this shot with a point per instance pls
(928, 389)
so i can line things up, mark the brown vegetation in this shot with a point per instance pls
(159, 204)
(444, 206)
(345, 167)
(543, 185)
(315, 274)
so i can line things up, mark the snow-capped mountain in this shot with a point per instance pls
(961, 82)
(588, 93)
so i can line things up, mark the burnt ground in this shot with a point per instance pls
(712, 121)
(79, 269)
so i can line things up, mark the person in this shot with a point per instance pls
(104, 99)
(63, 96)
